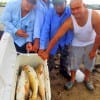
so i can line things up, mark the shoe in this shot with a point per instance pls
(69, 85)
(89, 85)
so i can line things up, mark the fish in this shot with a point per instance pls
(40, 75)
(30, 94)
(38, 97)
(27, 88)
(22, 90)
(33, 80)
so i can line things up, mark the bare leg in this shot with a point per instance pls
(88, 83)
(70, 84)
(73, 73)
(87, 75)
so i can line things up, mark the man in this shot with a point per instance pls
(19, 18)
(53, 20)
(42, 8)
(86, 26)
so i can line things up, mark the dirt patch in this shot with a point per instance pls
(78, 92)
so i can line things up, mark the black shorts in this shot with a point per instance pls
(21, 49)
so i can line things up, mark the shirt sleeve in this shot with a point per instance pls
(7, 18)
(40, 14)
(45, 31)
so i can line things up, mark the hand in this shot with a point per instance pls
(40, 52)
(35, 48)
(22, 33)
(36, 45)
(44, 55)
(29, 47)
(92, 54)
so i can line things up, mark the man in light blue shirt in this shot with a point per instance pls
(19, 18)
(53, 20)
(42, 8)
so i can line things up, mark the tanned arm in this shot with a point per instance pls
(96, 26)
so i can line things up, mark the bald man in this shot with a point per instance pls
(86, 26)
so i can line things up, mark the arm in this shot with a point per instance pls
(96, 26)
(38, 23)
(44, 40)
(64, 28)
(40, 14)
(7, 21)
(7, 18)
(61, 32)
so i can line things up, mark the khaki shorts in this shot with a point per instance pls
(80, 55)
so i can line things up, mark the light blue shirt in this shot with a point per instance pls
(51, 25)
(42, 8)
(13, 21)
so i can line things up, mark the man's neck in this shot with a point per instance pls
(60, 14)
(83, 19)
(24, 12)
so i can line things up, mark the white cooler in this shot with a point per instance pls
(9, 68)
